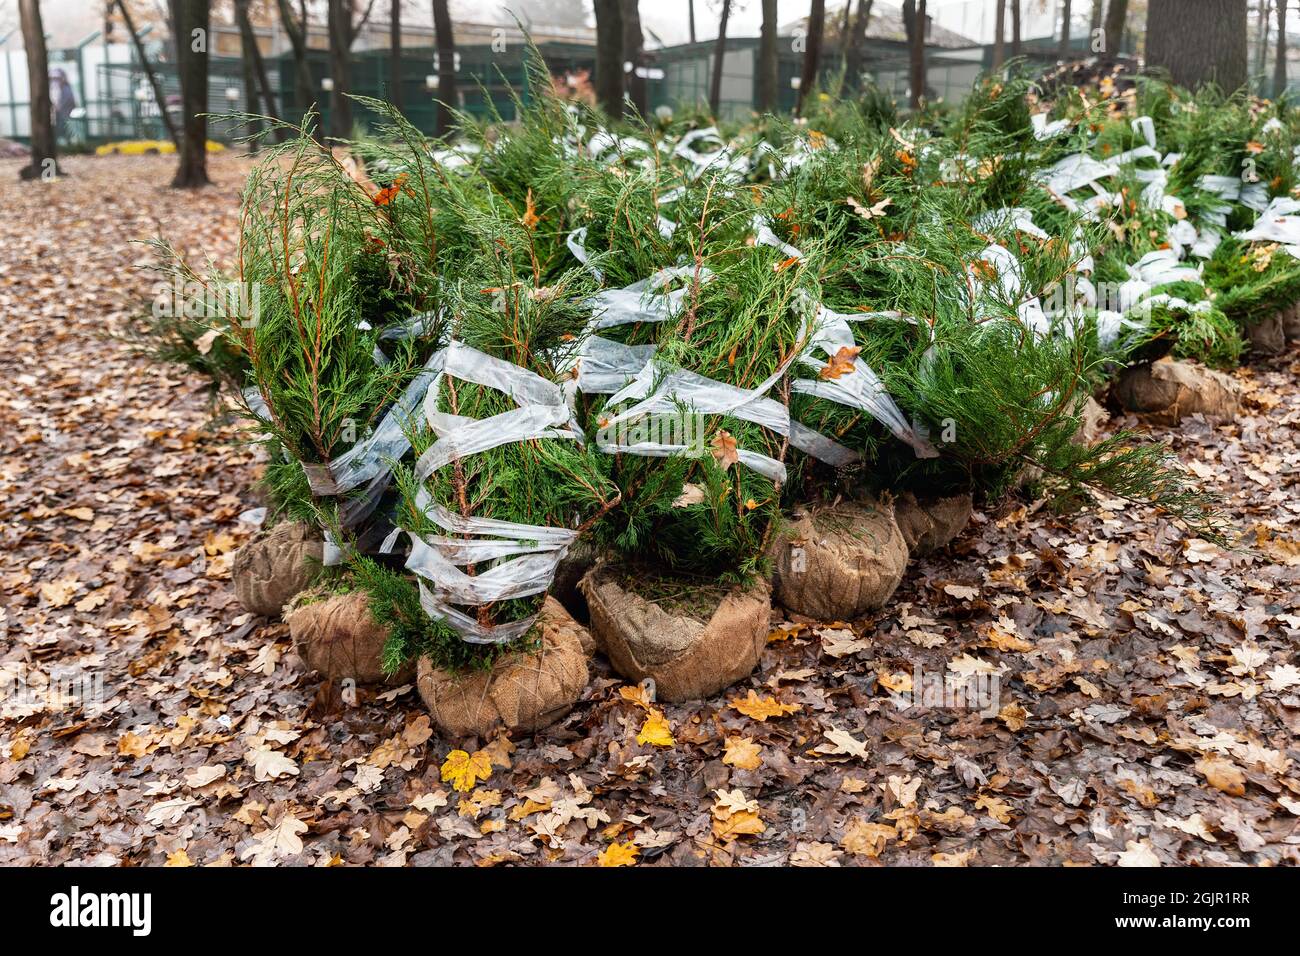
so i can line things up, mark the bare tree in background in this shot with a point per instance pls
(1066, 13)
(448, 98)
(1177, 40)
(149, 73)
(690, 14)
(719, 55)
(1279, 68)
(1261, 49)
(252, 95)
(190, 22)
(812, 54)
(768, 65)
(914, 24)
(45, 158)
(395, 54)
(853, 61)
(633, 52)
(609, 56)
(255, 79)
(344, 28)
(999, 34)
(295, 28)
(1015, 28)
(1116, 15)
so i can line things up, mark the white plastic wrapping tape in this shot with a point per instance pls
(1276, 223)
(525, 556)
(861, 387)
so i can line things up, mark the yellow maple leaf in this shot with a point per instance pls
(463, 770)
(179, 858)
(761, 708)
(742, 753)
(656, 730)
(620, 854)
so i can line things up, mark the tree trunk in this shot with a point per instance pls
(846, 28)
(1066, 13)
(812, 54)
(999, 34)
(255, 67)
(609, 56)
(768, 66)
(304, 90)
(1279, 68)
(340, 30)
(719, 54)
(1098, 11)
(45, 157)
(1261, 48)
(1116, 15)
(1015, 28)
(633, 52)
(151, 75)
(858, 45)
(448, 98)
(190, 22)
(1178, 41)
(914, 23)
(247, 44)
(690, 12)
(395, 55)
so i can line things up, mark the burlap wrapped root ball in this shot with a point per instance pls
(1166, 392)
(525, 691)
(1092, 422)
(275, 566)
(836, 563)
(337, 637)
(930, 523)
(691, 650)
(1268, 336)
(1291, 323)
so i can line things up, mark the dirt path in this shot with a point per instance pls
(1146, 704)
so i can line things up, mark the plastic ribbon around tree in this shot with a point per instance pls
(527, 555)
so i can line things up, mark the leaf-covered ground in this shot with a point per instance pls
(1148, 696)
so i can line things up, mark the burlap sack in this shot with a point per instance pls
(1291, 323)
(1169, 391)
(837, 563)
(690, 655)
(1093, 421)
(571, 569)
(276, 565)
(523, 692)
(1268, 336)
(338, 638)
(928, 525)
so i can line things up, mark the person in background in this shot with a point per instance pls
(62, 101)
